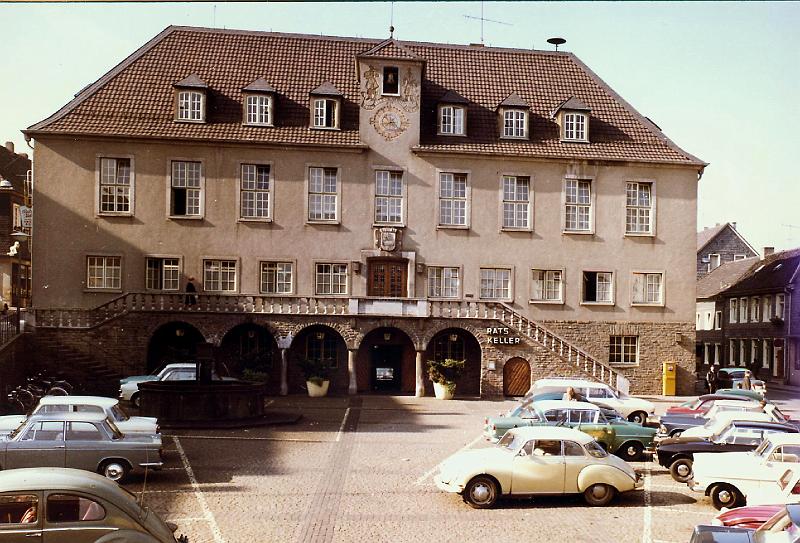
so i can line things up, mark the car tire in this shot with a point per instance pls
(481, 492)
(726, 496)
(116, 470)
(681, 469)
(630, 451)
(599, 494)
(136, 400)
(639, 417)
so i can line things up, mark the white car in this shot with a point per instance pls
(86, 404)
(537, 460)
(732, 478)
(634, 409)
(180, 371)
(722, 420)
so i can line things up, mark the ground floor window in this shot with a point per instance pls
(448, 346)
(623, 350)
(322, 347)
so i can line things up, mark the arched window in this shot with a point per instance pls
(322, 346)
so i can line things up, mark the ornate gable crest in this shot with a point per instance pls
(388, 238)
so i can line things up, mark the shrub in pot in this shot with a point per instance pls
(317, 373)
(444, 374)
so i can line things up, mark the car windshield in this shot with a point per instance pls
(721, 437)
(777, 413)
(692, 404)
(510, 442)
(17, 430)
(594, 448)
(119, 413)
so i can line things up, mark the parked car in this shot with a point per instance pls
(85, 441)
(713, 426)
(749, 516)
(625, 439)
(731, 479)
(635, 409)
(537, 460)
(752, 394)
(677, 453)
(71, 506)
(674, 425)
(86, 404)
(183, 371)
(783, 527)
(732, 378)
(703, 403)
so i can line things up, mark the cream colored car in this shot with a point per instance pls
(537, 460)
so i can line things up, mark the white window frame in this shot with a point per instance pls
(255, 114)
(639, 209)
(220, 261)
(733, 310)
(711, 258)
(766, 359)
(706, 357)
(162, 270)
(452, 198)
(733, 352)
(131, 186)
(201, 188)
(190, 97)
(737, 257)
(337, 194)
(717, 353)
(515, 204)
(754, 348)
(648, 276)
(744, 310)
(319, 109)
(742, 343)
(755, 309)
(262, 264)
(513, 131)
(332, 273)
(388, 197)
(623, 348)
(768, 308)
(458, 120)
(780, 306)
(383, 81)
(270, 192)
(612, 284)
(509, 295)
(575, 126)
(566, 204)
(718, 320)
(441, 281)
(541, 282)
(107, 280)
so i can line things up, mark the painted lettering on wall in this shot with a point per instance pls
(501, 336)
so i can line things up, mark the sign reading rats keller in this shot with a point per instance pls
(501, 336)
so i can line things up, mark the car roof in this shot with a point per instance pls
(724, 396)
(728, 416)
(84, 417)
(552, 432)
(544, 405)
(180, 365)
(766, 424)
(736, 403)
(569, 382)
(784, 439)
(101, 401)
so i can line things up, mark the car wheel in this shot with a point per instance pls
(481, 492)
(136, 400)
(116, 470)
(599, 494)
(726, 496)
(630, 451)
(681, 469)
(639, 417)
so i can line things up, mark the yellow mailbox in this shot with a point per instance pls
(668, 378)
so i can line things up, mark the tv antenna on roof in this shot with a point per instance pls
(557, 42)
(483, 19)
(391, 19)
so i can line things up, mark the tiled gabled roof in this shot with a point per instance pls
(14, 167)
(572, 104)
(724, 276)
(513, 100)
(775, 272)
(259, 85)
(135, 99)
(390, 48)
(326, 89)
(191, 82)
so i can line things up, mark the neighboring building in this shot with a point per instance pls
(372, 203)
(15, 269)
(720, 244)
(760, 317)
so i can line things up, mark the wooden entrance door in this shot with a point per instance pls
(516, 377)
(388, 278)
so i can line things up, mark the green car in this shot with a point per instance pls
(754, 394)
(627, 440)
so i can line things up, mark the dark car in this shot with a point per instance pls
(783, 527)
(677, 453)
(703, 403)
(674, 425)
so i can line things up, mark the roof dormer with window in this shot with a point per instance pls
(452, 115)
(258, 104)
(572, 117)
(514, 117)
(191, 96)
(326, 105)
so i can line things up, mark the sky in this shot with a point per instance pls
(721, 79)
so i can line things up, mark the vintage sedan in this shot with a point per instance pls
(634, 409)
(677, 453)
(673, 425)
(79, 440)
(183, 371)
(733, 377)
(749, 516)
(86, 404)
(722, 420)
(537, 460)
(783, 527)
(60, 505)
(703, 403)
(627, 440)
(737, 478)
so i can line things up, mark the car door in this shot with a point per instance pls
(20, 520)
(538, 468)
(86, 444)
(574, 461)
(595, 424)
(40, 445)
(75, 518)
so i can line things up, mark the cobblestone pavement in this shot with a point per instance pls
(360, 469)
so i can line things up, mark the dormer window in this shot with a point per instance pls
(190, 100)
(514, 117)
(391, 80)
(452, 114)
(575, 126)
(572, 116)
(258, 103)
(325, 105)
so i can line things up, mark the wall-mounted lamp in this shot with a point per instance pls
(453, 337)
(490, 366)
(320, 335)
(356, 266)
(251, 334)
(387, 336)
(420, 268)
(179, 332)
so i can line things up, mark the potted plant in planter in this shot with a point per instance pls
(317, 374)
(444, 374)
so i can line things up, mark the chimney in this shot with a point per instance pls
(24, 155)
(768, 251)
(733, 225)
(10, 146)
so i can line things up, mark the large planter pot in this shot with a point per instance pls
(443, 392)
(317, 391)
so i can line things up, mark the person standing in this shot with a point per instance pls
(191, 290)
(711, 379)
(747, 382)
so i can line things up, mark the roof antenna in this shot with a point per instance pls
(482, 19)
(391, 20)
(557, 42)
